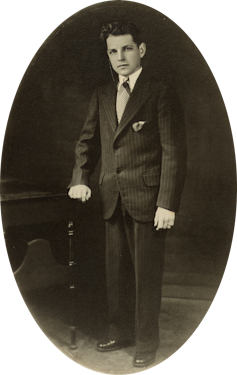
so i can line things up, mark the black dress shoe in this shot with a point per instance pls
(108, 346)
(144, 359)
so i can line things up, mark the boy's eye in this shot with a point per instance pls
(128, 48)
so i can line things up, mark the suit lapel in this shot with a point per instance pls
(139, 95)
(109, 102)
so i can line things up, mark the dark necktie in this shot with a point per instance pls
(122, 98)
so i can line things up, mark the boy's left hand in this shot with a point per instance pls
(164, 219)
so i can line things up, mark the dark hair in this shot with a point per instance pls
(120, 28)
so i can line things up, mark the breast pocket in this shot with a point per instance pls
(151, 178)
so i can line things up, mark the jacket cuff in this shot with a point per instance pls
(81, 177)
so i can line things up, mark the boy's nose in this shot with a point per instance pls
(120, 55)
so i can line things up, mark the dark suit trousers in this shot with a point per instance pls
(134, 267)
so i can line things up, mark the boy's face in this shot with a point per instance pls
(124, 54)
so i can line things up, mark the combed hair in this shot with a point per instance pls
(120, 28)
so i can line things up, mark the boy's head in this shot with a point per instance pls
(120, 28)
(124, 47)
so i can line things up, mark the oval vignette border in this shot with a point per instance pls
(203, 176)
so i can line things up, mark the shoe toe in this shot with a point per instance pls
(108, 346)
(144, 359)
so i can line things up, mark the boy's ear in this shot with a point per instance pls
(142, 49)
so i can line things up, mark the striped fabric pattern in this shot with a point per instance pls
(140, 170)
(134, 246)
(147, 167)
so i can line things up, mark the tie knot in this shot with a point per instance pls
(126, 86)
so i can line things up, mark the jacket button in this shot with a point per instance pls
(118, 170)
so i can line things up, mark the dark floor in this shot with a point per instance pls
(49, 306)
(191, 282)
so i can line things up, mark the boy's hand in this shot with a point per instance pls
(81, 192)
(164, 219)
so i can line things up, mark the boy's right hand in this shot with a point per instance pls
(81, 192)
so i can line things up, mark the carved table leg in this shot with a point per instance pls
(72, 271)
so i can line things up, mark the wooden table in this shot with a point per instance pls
(31, 212)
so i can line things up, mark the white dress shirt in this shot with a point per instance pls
(132, 79)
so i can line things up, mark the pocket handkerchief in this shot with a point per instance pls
(138, 125)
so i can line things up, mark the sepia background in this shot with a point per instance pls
(207, 205)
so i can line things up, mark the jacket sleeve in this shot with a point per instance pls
(173, 145)
(88, 148)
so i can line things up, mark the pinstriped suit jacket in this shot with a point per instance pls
(146, 167)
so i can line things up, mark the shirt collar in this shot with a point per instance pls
(132, 79)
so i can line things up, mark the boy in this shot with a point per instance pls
(135, 126)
